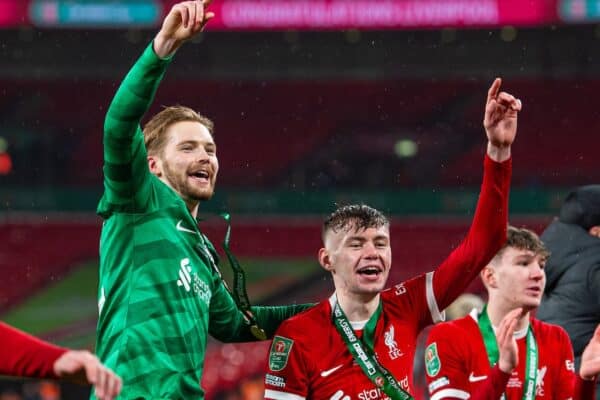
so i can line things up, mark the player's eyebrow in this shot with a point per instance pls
(197, 143)
(186, 142)
(363, 239)
(356, 238)
(524, 257)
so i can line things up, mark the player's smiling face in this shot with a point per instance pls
(359, 260)
(520, 277)
(189, 162)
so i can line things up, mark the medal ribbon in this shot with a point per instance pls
(365, 355)
(239, 294)
(491, 347)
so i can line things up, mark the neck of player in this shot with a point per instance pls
(192, 206)
(497, 310)
(357, 307)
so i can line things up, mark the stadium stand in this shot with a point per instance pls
(321, 125)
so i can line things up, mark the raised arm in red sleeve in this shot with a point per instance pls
(24, 355)
(488, 229)
(486, 235)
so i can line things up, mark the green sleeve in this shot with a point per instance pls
(228, 324)
(126, 174)
(270, 317)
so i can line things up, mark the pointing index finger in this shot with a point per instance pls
(494, 89)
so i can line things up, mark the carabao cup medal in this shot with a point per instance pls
(258, 333)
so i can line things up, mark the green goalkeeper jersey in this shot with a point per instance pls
(160, 292)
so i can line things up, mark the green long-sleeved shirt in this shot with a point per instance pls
(160, 293)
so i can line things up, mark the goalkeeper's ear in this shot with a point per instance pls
(155, 165)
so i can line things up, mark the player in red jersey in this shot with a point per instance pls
(531, 359)
(318, 354)
(24, 355)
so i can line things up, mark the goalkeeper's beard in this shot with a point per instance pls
(185, 185)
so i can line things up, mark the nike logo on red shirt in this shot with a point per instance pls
(473, 378)
(328, 372)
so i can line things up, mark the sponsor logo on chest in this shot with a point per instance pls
(371, 394)
(377, 393)
(190, 281)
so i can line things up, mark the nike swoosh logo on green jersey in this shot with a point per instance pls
(182, 228)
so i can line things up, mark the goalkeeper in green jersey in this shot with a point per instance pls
(160, 291)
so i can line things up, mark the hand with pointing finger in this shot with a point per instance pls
(184, 21)
(500, 121)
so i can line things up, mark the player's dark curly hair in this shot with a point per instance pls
(356, 216)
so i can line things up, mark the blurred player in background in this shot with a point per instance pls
(572, 295)
(360, 343)
(160, 290)
(26, 356)
(463, 305)
(504, 351)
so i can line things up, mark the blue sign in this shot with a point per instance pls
(579, 10)
(95, 13)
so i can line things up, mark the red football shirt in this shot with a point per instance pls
(457, 364)
(308, 357)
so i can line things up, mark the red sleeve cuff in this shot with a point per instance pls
(52, 354)
(585, 389)
(498, 381)
(500, 377)
(504, 164)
